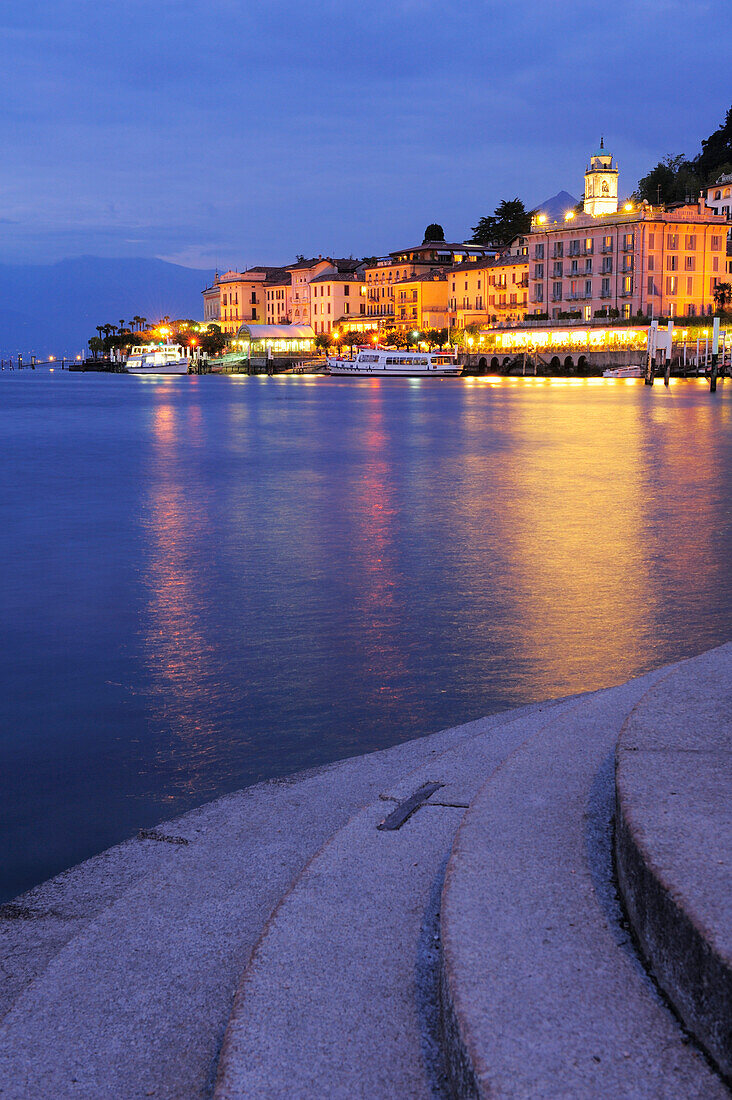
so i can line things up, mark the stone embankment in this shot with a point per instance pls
(439, 919)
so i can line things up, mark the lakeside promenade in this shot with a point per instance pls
(282, 942)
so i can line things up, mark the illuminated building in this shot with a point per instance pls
(490, 291)
(420, 301)
(303, 272)
(212, 302)
(601, 184)
(241, 297)
(719, 196)
(636, 260)
(382, 275)
(335, 298)
(278, 304)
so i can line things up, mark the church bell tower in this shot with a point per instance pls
(601, 184)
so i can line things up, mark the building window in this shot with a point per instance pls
(716, 244)
(558, 270)
(607, 265)
(628, 284)
(672, 240)
(589, 246)
(672, 284)
(558, 249)
(672, 263)
(574, 248)
(690, 242)
(689, 285)
(651, 240)
(557, 292)
(538, 251)
(605, 288)
(628, 241)
(651, 287)
(539, 293)
(588, 288)
(689, 263)
(607, 244)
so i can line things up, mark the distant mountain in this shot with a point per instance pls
(557, 206)
(53, 309)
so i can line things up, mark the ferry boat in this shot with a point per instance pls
(157, 359)
(623, 372)
(374, 362)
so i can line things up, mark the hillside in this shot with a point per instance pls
(53, 309)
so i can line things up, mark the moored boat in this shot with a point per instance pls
(623, 372)
(157, 359)
(404, 364)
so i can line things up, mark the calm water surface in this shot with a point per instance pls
(211, 581)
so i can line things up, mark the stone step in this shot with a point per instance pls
(543, 995)
(124, 969)
(673, 843)
(338, 996)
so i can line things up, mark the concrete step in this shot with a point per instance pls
(123, 971)
(338, 996)
(673, 843)
(543, 995)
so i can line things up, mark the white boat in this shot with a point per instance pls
(623, 372)
(403, 364)
(157, 359)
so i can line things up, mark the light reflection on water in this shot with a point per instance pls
(212, 581)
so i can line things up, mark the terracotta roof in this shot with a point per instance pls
(430, 276)
(495, 261)
(337, 277)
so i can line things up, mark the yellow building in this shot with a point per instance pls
(241, 297)
(384, 273)
(336, 298)
(278, 304)
(421, 301)
(489, 291)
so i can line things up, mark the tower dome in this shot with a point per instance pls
(601, 183)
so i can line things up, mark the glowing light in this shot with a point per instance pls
(569, 215)
(628, 206)
(541, 219)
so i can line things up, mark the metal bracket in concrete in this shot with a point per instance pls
(405, 809)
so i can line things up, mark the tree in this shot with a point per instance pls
(434, 232)
(95, 345)
(322, 341)
(509, 220)
(716, 154)
(435, 337)
(673, 179)
(722, 295)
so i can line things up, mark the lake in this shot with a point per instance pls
(212, 581)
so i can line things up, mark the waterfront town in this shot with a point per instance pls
(601, 265)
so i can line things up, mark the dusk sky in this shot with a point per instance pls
(229, 134)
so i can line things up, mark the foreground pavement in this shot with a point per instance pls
(314, 938)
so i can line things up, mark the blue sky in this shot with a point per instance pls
(216, 132)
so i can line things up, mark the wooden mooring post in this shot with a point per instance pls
(715, 356)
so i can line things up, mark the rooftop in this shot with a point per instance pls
(338, 277)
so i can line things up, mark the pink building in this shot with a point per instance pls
(636, 260)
